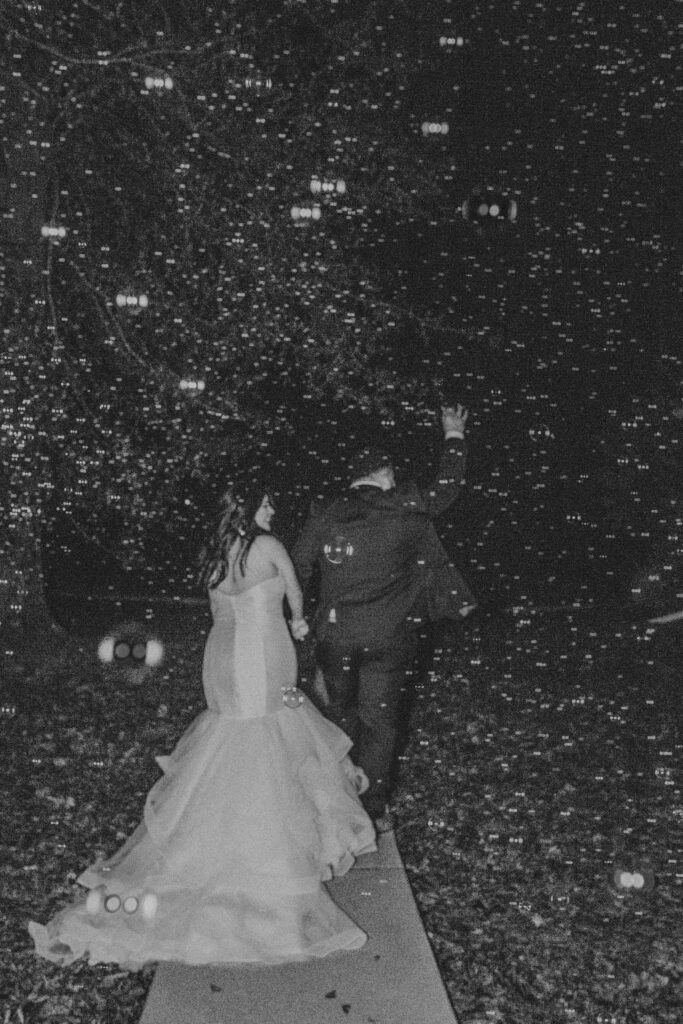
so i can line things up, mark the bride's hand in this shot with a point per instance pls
(299, 628)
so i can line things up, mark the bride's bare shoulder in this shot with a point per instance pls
(271, 549)
(261, 548)
(266, 542)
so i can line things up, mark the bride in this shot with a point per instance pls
(257, 805)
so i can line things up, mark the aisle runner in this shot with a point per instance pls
(393, 979)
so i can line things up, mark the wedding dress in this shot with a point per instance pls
(257, 807)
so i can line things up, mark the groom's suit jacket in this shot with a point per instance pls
(383, 570)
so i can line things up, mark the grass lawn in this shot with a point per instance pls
(542, 756)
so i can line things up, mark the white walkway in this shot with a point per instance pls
(393, 979)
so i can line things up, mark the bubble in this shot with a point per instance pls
(148, 906)
(560, 901)
(94, 900)
(292, 697)
(154, 653)
(338, 549)
(105, 650)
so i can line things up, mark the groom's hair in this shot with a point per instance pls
(369, 460)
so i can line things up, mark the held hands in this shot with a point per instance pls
(454, 419)
(299, 628)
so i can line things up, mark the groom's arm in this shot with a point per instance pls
(450, 476)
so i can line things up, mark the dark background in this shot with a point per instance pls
(558, 328)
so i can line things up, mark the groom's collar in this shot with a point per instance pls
(366, 481)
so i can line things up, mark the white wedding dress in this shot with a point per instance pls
(256, 808)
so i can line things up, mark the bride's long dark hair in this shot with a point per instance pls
(236, 522)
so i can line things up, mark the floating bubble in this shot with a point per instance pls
(112, 903)
(540, 433)
(560, 901)
(154, 653)
(305, 213)
(338, 549)
(95, 900)
(105, 650)
(640, 880)
(53, 231)
(292, 696)
(258, 84)
(486, 208)
(188, 384)
(122, 650)
(324, 185)
(435, 128)
(125, 300)
(148, 906)
(158, 82)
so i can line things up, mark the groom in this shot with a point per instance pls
(383, 573)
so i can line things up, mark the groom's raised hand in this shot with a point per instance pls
(453, 420)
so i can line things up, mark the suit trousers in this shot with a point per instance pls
(366, 688)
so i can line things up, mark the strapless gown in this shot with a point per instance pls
(257, 807)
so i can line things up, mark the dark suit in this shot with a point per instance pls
(383, 574)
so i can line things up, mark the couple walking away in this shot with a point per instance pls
(260, 802)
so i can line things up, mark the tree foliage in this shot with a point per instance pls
(154, 152)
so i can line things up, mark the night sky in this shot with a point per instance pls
(558, 325)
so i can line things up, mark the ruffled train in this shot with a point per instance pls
(248, 820)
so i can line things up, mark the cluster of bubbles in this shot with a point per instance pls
(302, 214)
(53, 231)
(324, 185)
(145, 904)
(258, 83)
(117, 650)
(479, 208)
(638, 880)
(159, 83)
(125, 300)
(435, 128)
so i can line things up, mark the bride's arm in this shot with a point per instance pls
(277, 553)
